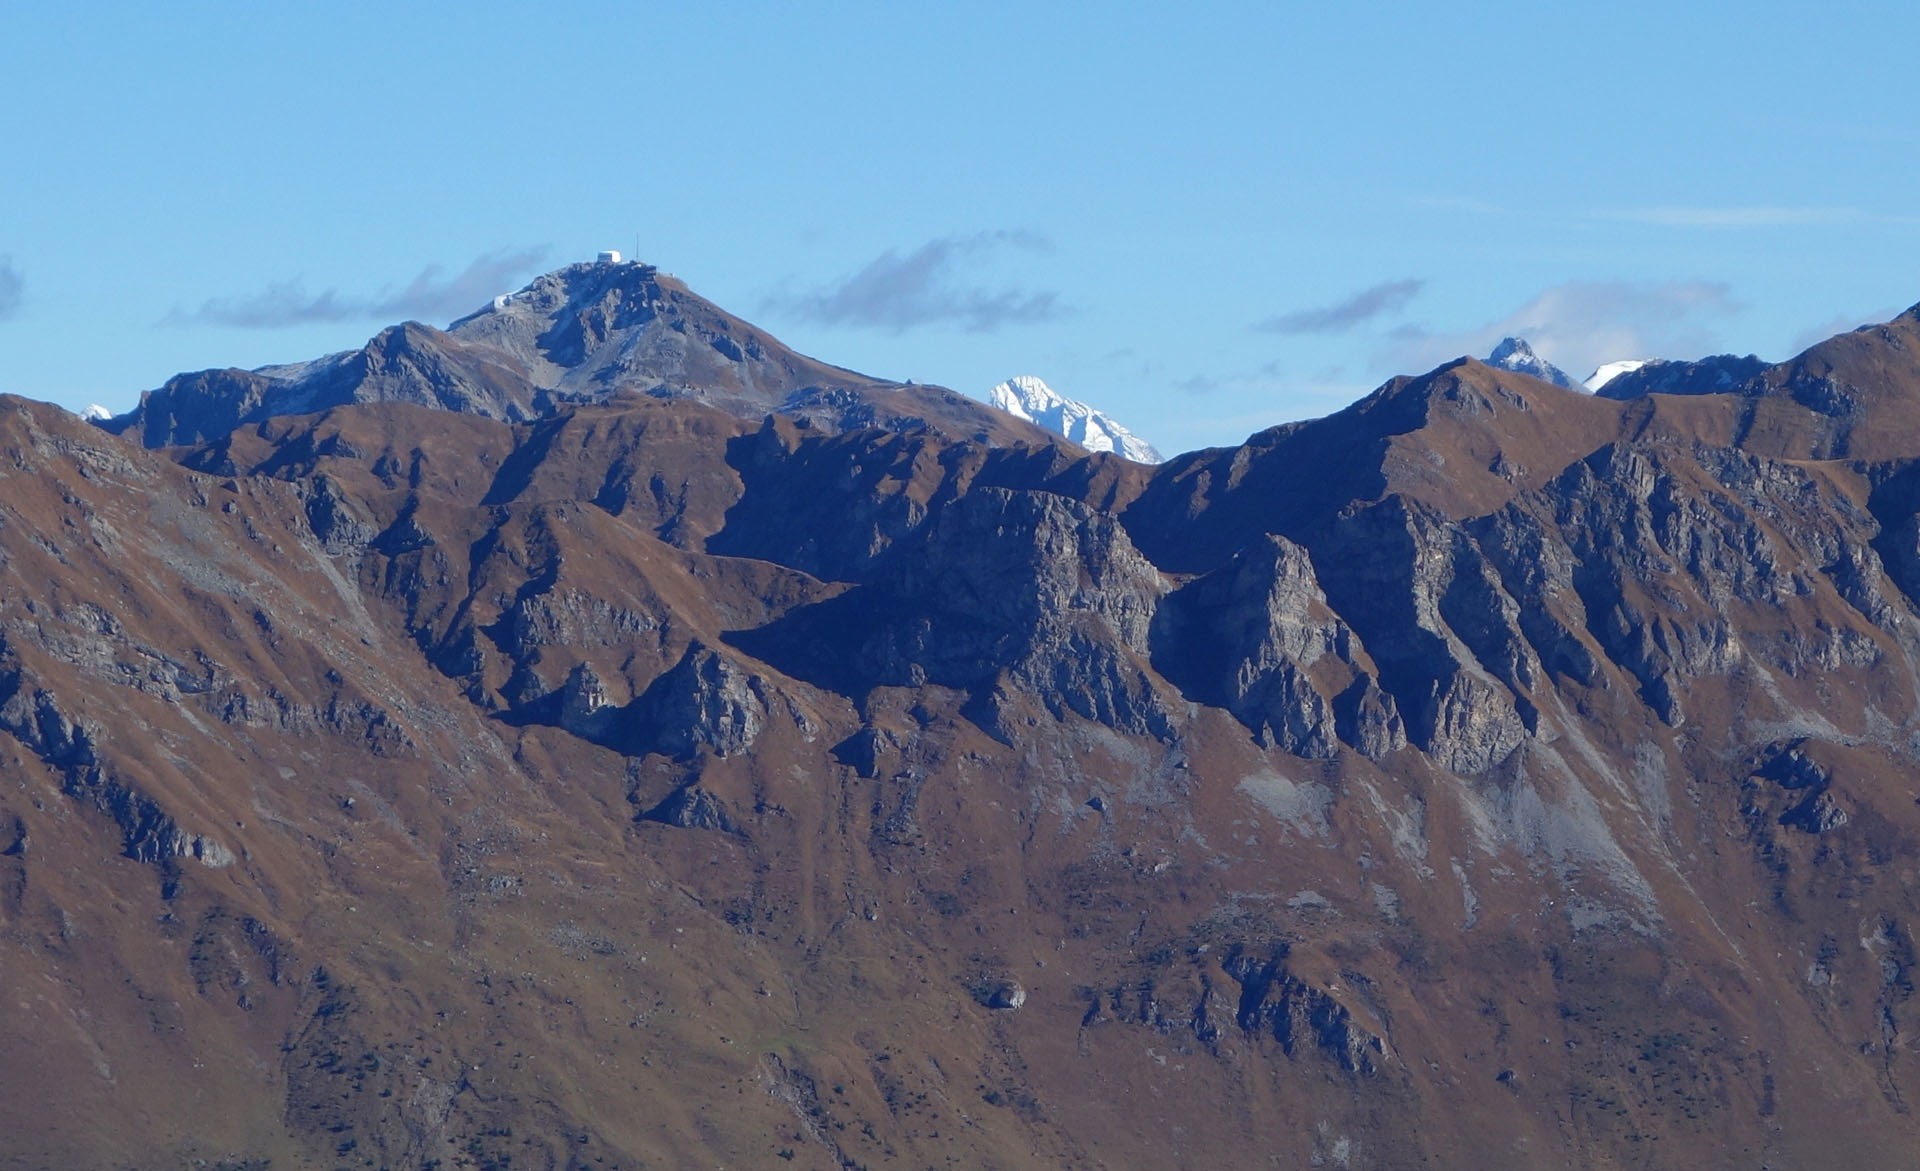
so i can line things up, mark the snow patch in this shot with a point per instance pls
(1610, 371)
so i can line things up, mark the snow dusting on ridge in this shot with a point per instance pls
(1610, 371)
(1515, 354)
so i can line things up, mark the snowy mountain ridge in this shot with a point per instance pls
(1028, 397)
(1515, 354)
(1609, 371)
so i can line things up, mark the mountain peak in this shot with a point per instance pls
(1029, 388)
(582, 333)
(1028, 397)
(1515, 354)
(1510, 349)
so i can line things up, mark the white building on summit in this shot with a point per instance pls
(607, 257)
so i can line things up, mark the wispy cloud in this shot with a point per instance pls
(12, 288)
(1272, 401)
(432, 295)
(1678, 215)
(1671, 216)
(1815, 334)
(1362, 307)
(1753, 217)
(1260, 379)
(927, 286)
(1580, 324)
(1456, 203)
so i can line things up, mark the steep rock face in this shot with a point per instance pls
(1026, 587)
(197, 406)
(1065, 578)
(1300, 1017)
(834, 505)
(1441, 627)
(1690, 570)
(1258, 638)
(704, 702)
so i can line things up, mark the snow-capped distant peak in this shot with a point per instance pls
(1024, 395)
(1027, 397)
(96, 411)
(1515, 354)
(1610, 371)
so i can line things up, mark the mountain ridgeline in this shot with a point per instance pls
(596, 736)
(581, 334)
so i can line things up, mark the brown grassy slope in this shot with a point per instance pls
(351, 652)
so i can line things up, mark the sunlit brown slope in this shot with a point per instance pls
(1484, 776)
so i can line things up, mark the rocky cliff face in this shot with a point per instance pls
(1488, 773)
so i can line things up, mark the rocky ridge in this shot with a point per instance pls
(1488, 772)
(580, 334)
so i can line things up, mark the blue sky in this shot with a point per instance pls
(1204, 221)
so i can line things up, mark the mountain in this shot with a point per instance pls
(1487, 774)
(583, 333)
(1027, 397)
(1719, 374)
(1608, 371)
(1850, 396)
(1516, 355)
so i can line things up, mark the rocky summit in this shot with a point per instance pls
(1515, 354)
(591, 737)
(581, 334)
